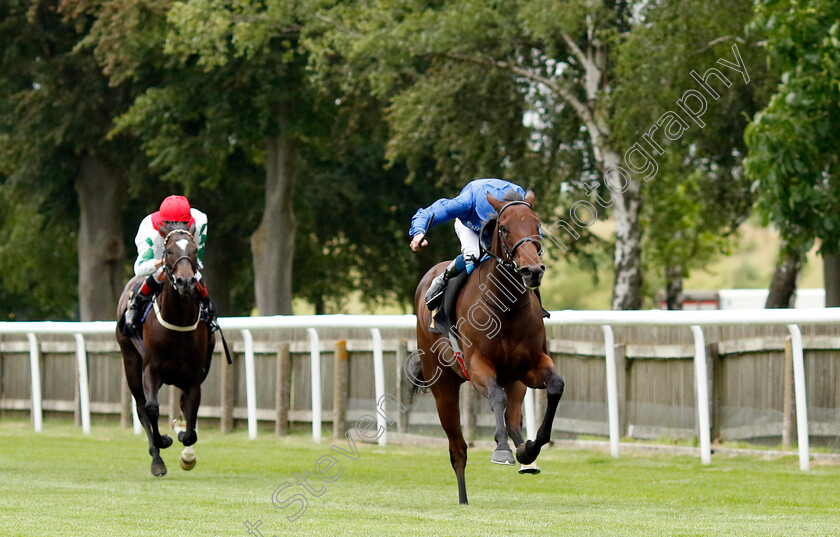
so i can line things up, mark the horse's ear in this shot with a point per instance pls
(530, 197)
(494, 202)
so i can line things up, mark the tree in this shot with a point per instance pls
(353, 211)
(36, 259)
(265, 120)
(207, 118)
(438, 62)
(699, 195)
(220, 77)
(189, 145)
(792, 142)
(56, 112)
(302, 152)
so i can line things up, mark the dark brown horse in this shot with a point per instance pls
(175, 349)
(500, 329)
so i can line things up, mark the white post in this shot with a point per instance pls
(379, 384)
(612, 389)
(530, 415)
(315, 366)
(701, 379)
(135, 417)
(799, 395)
(250, 384)
(84, 391)
(35, 373)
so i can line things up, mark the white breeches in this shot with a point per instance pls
(469, 240)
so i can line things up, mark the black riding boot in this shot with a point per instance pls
(137, 305)
(438, 285)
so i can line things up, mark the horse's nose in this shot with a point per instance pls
(533, 275)
(185, 283)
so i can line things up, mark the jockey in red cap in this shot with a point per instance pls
(175, 213)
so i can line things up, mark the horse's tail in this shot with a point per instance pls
(414, 370)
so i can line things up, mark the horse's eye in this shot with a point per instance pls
(503, 229)
(168, 252)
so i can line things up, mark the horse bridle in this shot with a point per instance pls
(169, 271)
(507, 260)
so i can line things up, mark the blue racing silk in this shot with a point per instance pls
(470, 206)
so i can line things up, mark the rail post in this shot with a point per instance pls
(315, 368)
(340, 369)
(283, 390)
(84, 386)
(612, 389)
(35, 373)
(799, 394)
(379, 384)
(250, 384)
(701, 381)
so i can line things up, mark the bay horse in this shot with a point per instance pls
(499, 326)
(175, 348)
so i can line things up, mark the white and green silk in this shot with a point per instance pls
(150, 245)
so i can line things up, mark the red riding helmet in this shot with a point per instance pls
(173, 209)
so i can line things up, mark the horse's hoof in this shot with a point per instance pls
(502, 456)
(158, 469)
(165, 441)
(189, 465)
(522, 454)
(529, 468)
(187, 459)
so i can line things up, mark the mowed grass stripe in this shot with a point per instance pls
(62, 483)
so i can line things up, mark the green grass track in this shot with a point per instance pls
(62, 483)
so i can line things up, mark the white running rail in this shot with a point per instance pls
(695, 320)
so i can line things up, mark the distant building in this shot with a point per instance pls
(738, 299)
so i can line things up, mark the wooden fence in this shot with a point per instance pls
(749, 381)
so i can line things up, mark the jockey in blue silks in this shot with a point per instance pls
(470, 210)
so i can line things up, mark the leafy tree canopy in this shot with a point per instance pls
(793, 141)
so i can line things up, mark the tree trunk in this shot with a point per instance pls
(673, 288)
(218, 273)
(320, 306)
(627, 286)
(273, 243)
(831, 274)
(783, 283)
(101, 278)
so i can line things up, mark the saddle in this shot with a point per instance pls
(444, 315)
